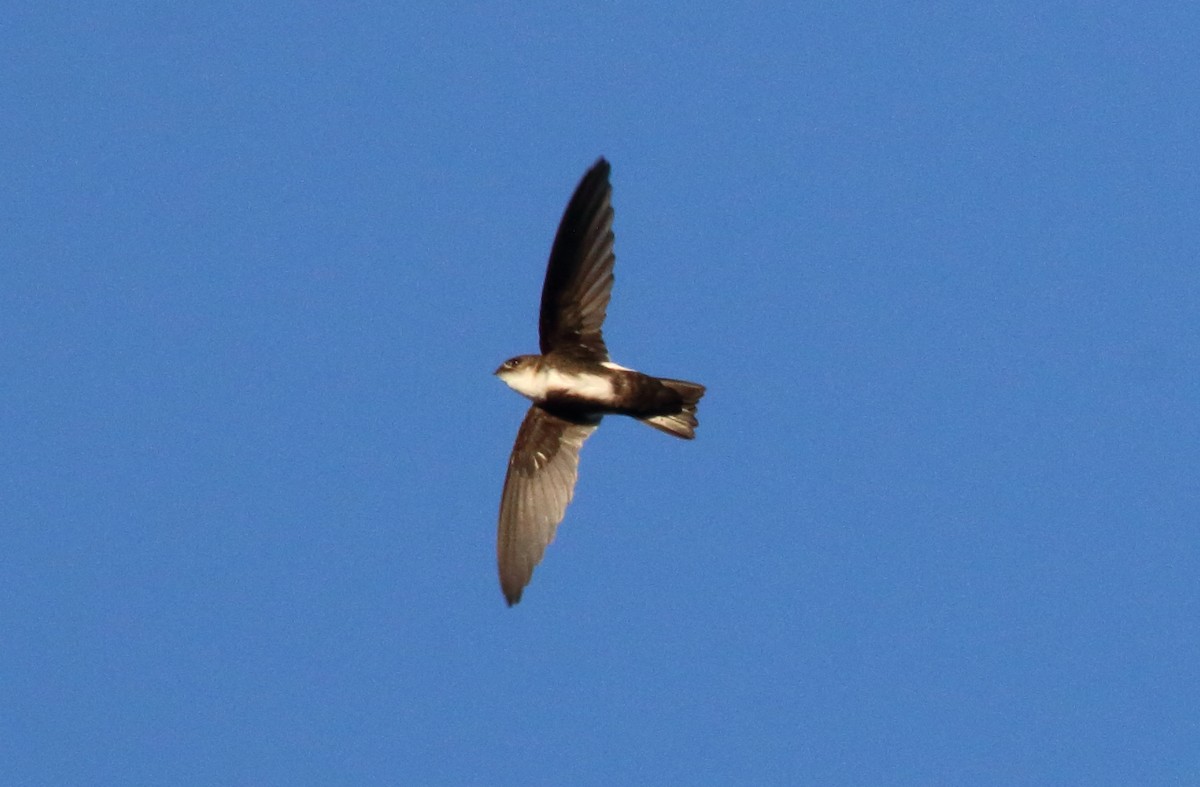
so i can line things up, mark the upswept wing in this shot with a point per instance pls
(579, 276)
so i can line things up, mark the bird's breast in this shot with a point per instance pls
(542, 385)
(581, 385)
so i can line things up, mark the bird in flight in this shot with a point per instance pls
(573, 384)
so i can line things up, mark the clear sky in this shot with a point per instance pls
(938, 266)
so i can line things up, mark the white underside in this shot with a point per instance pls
(539, 384)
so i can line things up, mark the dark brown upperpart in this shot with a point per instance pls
(579, 275)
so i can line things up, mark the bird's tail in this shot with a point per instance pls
(683, 423)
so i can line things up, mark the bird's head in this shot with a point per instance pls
(520, 374)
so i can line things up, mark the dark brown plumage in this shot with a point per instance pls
(573, 385)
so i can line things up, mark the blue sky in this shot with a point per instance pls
(937, 266)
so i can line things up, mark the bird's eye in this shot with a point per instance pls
(512, 363)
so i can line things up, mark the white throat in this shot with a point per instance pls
(538, 383)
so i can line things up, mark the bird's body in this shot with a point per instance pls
(590, 391)
(572, 385)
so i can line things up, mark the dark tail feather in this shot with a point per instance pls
(683, 423)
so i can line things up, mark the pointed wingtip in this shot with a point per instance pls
(512, 589)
